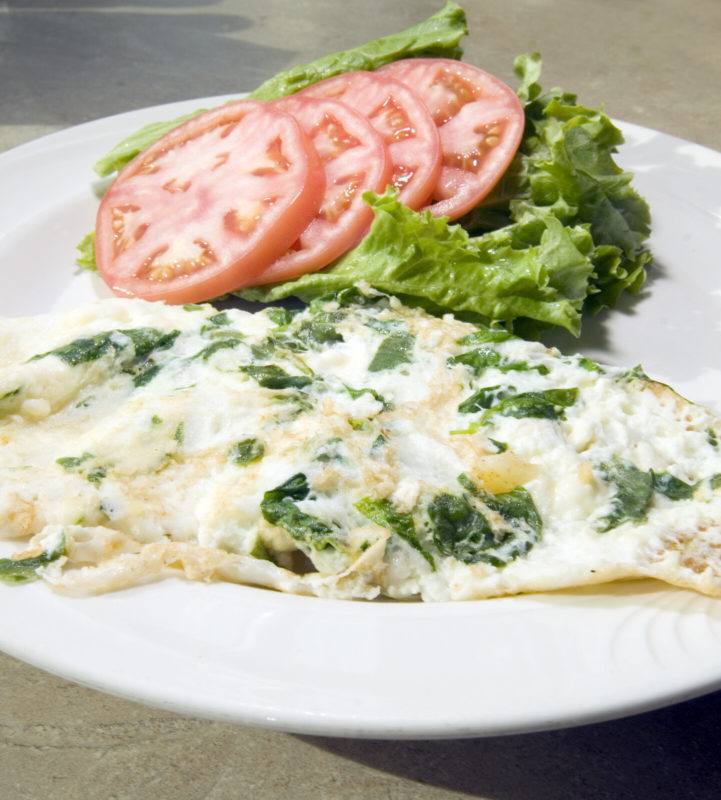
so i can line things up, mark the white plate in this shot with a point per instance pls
(385, 669)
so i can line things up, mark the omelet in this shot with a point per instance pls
(358, 448)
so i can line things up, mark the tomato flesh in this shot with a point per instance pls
(209, 206)
(355, 160)
(480, 121)
(403, 120)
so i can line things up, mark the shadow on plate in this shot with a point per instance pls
(671, 754)
(594, 334)
(595, 328)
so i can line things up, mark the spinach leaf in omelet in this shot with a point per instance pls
(81, 351)
(492, 400)
(461, 524)
(141, 365)
(271, 376)
(674, 488)
(319, 331)
(70, 463)
(354, 394)
(393, 351)
(460, 530)
(635, 489)
(485, 334)
(281, 317)
(214, 347)
(383, 513)
(483, 358)
(484, 398)
(246, 451)
(24, 570)
(546, 404)
(279, 508)
(634, 492)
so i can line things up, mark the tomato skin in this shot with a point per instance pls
(480, 121)
(208, 206)
(402, 118)
(356, 160)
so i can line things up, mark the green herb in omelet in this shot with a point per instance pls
(383, 513)
(484, 334)
(356, 393)
(674, 488)
(70, 463)
(24, 570)
(484, 358)
(492, 400)
(271, 376)
(279, 508)
(246, 451)
(634, 492)
(463, 531)
(547, 404)
(393, 351)
(220, 344)
(484, 398)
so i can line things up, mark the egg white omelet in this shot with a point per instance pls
(356, 449)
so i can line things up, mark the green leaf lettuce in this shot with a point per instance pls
(565, 166)
(537, 270)
(437, 36)
(86, 253)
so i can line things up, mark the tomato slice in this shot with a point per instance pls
(480, 121)
(402, 119)
(209, 206)
(356, 160)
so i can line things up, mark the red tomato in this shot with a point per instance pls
(480, 121)
(209, 206)
(404, 122)
(355, 160)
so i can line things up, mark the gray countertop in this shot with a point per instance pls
(656, 63)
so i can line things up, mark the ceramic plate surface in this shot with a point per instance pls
(385, 669)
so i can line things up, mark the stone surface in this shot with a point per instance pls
(654, 63)
(62, 742)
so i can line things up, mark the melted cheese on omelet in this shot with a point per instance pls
(355, 449)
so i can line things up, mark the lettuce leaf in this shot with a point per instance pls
(536, 271)
(437, 36)
(86, 253)
(565, 167)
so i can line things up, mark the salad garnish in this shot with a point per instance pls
(562, 232)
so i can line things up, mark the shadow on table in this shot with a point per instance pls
(671, 754)
(66, 63)
(108, 4)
